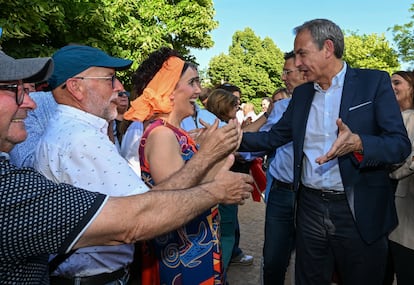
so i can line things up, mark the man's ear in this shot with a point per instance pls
(74, 88)
(329, 47)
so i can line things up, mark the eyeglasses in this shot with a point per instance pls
(287, 71)
(124, 93)
(15, 89)
(112, 78)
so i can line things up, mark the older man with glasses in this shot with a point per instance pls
(75, 149)
(291, 75)
(19, 92)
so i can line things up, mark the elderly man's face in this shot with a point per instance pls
(12, 128)
(309, 59)
(101, 94)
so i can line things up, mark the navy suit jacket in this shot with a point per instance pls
(370, 109)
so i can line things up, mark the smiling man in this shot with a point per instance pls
(347, 131)
(76, 149)
(36, 69)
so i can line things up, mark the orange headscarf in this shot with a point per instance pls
(156, 96)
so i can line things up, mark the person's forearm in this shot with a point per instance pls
(144, 216)
(256, 125)
(191, 174)
(218, 145)
(196, 169)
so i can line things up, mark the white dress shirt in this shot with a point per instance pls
(76, 149)
(321, 133)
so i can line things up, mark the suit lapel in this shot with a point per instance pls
(305, 97)
(348, 93)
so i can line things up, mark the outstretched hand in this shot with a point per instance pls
(217, 143)
(231, 187)
(346, 142)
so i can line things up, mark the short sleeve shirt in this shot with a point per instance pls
(37, 218)
(75, 149)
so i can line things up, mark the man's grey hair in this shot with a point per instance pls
(322, 30)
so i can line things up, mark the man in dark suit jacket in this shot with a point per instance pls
(347, 132)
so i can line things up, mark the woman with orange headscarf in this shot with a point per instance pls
(169, 88)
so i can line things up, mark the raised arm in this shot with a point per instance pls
(217, 144)
(144, 216)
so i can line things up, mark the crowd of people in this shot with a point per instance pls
(101, 185)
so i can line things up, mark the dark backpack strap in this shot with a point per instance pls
(58, 259)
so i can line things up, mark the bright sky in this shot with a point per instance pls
(276, 19)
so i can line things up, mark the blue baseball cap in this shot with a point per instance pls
(73, 59)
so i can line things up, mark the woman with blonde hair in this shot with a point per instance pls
(223, 104)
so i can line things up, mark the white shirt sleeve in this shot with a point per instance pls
(130, 144)
(83, 156)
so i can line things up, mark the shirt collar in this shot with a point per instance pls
(4, 156)
(337, 80)
(86, 117)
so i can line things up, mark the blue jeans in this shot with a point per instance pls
(279, 234)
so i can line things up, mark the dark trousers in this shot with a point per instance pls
(228, 219)
(242, 167)
(279, 234)
(389, 270)
(403, 261)
(327, 237)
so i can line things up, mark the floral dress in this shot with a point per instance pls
(191, 254)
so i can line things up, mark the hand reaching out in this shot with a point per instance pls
(231, 187)
(217, 143)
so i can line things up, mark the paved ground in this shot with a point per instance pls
(251, 219)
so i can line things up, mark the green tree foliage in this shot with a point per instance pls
(124, 28)
(370, 51)
(404, 39)
(37, 28)
(142, 26)
(253, 64)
